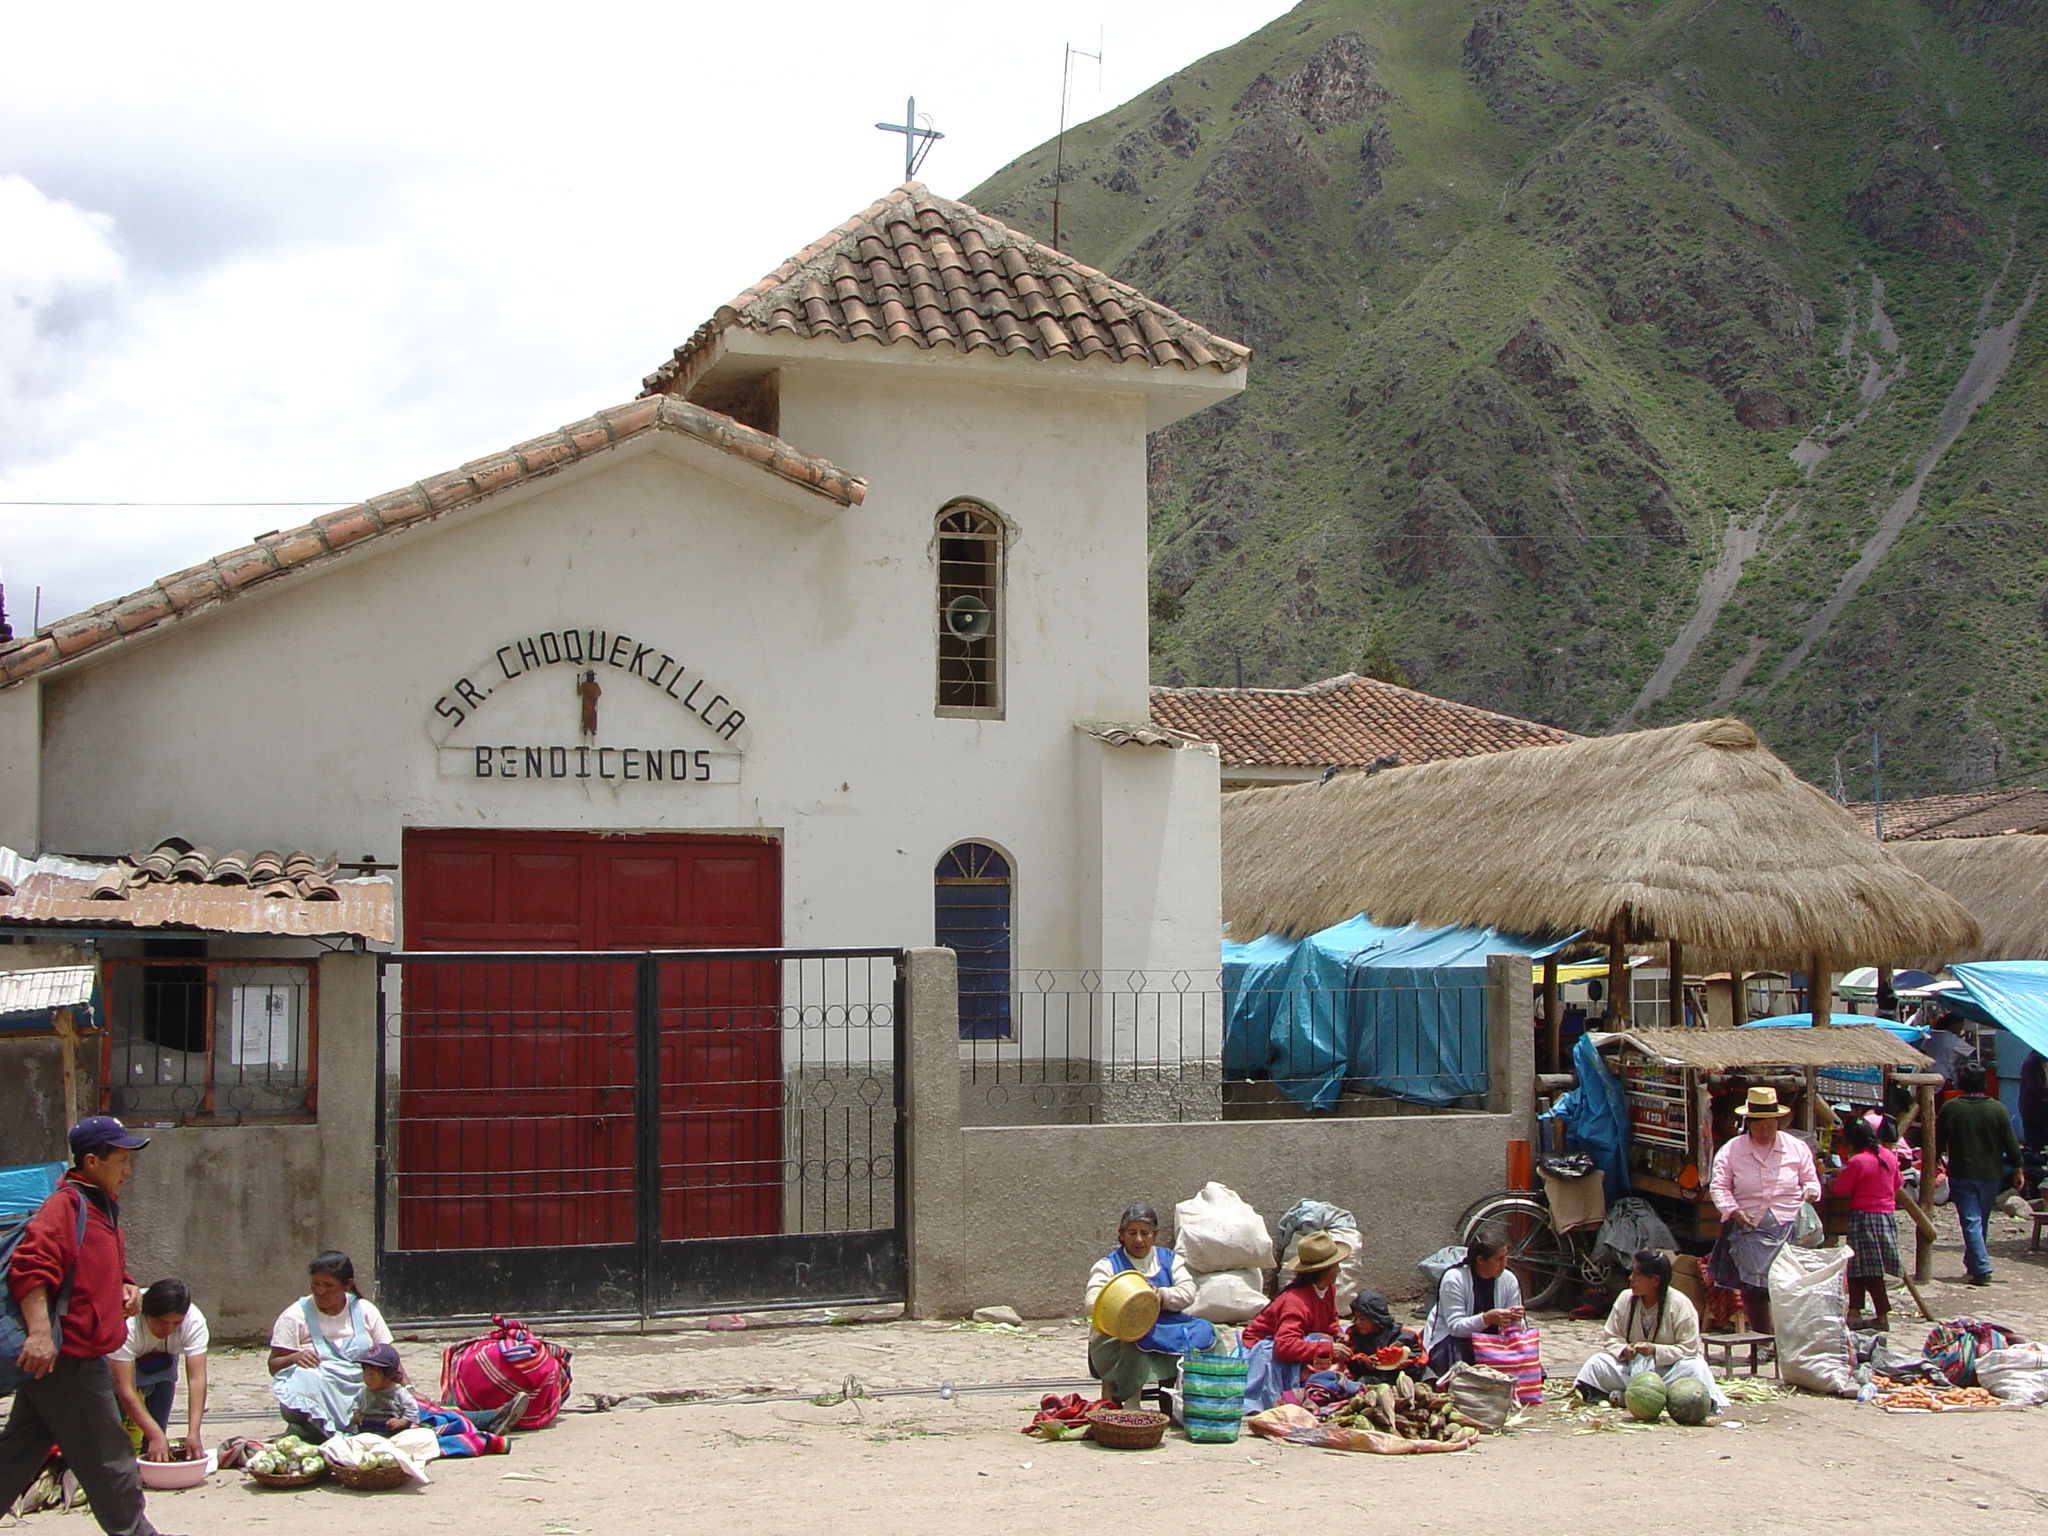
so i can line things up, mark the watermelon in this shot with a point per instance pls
(1688, 1401)
(1644, 1398)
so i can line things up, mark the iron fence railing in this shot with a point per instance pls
(1099, 1047)
(197, 1041)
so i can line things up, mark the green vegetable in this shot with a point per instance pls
(1688, 1401)
(1644, 1398)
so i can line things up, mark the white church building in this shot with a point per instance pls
(835, 636)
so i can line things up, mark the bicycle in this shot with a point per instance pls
(1549, 1265)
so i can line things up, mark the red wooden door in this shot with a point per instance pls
(516, 1125)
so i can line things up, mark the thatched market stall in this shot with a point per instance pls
(1693, 838)
(2003, 881)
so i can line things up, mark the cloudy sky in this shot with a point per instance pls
(254, 254)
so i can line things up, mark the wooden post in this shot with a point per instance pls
(1674, 955)
(1552, 1024)
(1618, 1000)
(66, 1028)
(1819, 987)
(1809, 1101)
(1930, 1170)
(1738, 984)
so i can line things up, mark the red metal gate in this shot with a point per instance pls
(517, 1114)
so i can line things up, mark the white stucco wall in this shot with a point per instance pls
(304, 715)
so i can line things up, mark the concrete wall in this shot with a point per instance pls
(236, 1211)
(1016, 1214)
(21, 768)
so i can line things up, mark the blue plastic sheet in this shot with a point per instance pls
(1400, 1011)
(1595, 1115)
(1912, 1034)
(24, 1188)
(2012, 993)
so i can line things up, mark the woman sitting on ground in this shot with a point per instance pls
(1296, 1335)
(1650, 1328)
(1479, 1295)
(1124, 1368)
(317, 1345)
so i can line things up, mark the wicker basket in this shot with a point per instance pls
(372, 1479)
(284, 1479)
(1127, 1429)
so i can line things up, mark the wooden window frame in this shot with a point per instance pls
(969, 546)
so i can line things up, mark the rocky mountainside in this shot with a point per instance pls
(1617, 361)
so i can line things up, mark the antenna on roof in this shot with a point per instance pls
(1059, 153)
(917, 141)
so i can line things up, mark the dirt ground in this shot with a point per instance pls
(697, 1430)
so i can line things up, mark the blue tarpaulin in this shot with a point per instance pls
(1912, 1034)
(1401, 1011)
(1595, 1114)
(24, 1188)
(2013, 995)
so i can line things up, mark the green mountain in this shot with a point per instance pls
(1617, 361)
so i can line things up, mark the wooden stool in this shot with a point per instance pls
(2040, 1222)
(1721, 1349)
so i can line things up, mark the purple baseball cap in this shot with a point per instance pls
(103, 1133)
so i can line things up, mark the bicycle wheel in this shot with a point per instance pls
(1543, 1262)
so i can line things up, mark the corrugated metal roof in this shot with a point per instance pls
(63, 986)
(359, 909)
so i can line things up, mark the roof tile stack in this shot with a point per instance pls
(175, 861)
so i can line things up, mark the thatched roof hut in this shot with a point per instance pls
(2002, 880)
(1696, 834)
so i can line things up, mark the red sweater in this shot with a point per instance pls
(1290, 1317)
(96, 1322)
(1870, 1181)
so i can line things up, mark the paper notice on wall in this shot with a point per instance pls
(261, 1026)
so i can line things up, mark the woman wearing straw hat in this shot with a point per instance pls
(1126, 1366)
(1760, 1177)
(1296, 1334)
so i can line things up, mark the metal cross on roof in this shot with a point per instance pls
(913, 150)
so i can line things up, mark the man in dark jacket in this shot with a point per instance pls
(1974, 1136)
(69, 1399)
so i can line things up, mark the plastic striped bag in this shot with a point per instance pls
(1517, 1353)
(485, 1373)
(1212, 1395)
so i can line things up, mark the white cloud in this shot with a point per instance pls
(257, 254)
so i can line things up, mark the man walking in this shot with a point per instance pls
(1974, 1135)
(69, 1399)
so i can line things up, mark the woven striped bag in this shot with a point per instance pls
(1212, 1395)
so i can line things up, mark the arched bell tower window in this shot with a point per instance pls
(970, 611)
(971, 901)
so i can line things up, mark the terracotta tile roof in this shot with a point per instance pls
(924, 269)
(278, 554)
(1348, 721)
(1968, 813)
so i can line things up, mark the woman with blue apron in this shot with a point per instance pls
(317, 1346)
(1125, 1369)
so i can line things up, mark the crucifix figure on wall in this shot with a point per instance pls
(589, 690)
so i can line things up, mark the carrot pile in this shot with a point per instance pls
(1929, 1400)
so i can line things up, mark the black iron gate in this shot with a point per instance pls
(608, 1134)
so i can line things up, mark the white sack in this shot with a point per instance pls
(1229, 1296)
(1808, 1312)
(403, 1448)
(2016, 1374)
(1350, 1273)
(1216, 1231)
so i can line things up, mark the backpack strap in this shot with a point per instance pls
(60, 1304)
